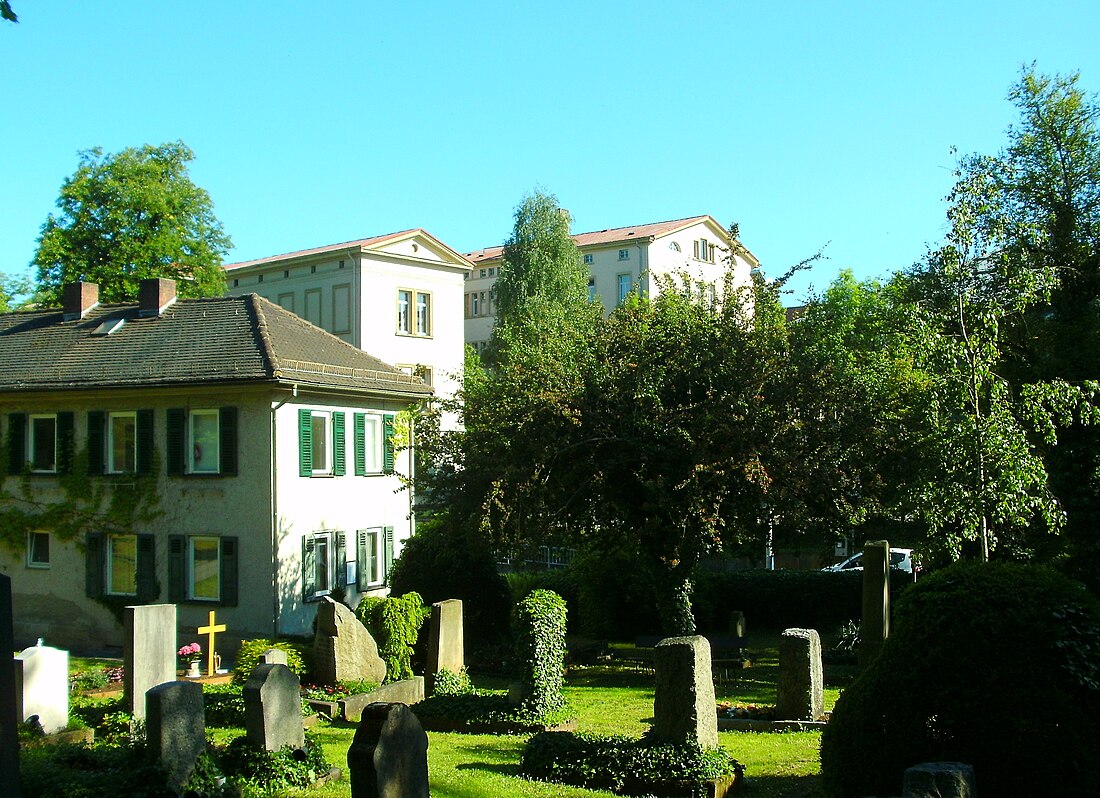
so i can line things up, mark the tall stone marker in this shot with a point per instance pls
(176, 728)
(273, 708)
(343, 649)
(274, 656)
(799, 692)
(874, 625)
(388, 757)
(148, 652)
(42, 686)
(9, 736)
(684, 709)
(445, 646)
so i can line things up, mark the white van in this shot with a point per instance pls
(899, 558)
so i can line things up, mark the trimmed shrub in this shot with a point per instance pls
(996, 665)
(394, 623)
(540, 650)
(251, 651)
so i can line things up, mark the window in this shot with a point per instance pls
(591, 289)
(202, 442)
(492, 271)
(626, 285)
(675, 247)
(313, 307)
(121, 443)
(423, 314)
(38, 549)
(588, 260)
(41, 442)
(341, 308)
(475, 304)
(324, 563)
(202, 568)
(42, 445)
(704, 250)
(121, 565)
(414, 312)
(404, 302)
(481, 274)
(368, 444)
(624, 254)
(374, 556)
(320, 443)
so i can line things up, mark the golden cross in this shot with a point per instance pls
(211, 629)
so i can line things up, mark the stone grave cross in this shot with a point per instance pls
(210, 630)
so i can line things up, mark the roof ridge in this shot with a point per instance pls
(272, 362)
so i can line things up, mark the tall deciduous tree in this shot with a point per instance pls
(129, 216)
(12, 286)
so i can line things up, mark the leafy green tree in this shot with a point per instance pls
(11, 287)
(6, 11)
(130, 216)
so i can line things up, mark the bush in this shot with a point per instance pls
(79, 771)
(394, 623)
(990, 664)
(274, 772)
(448, 683)
(251, 651)
(540, 650)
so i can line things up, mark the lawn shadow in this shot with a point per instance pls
(783, 787)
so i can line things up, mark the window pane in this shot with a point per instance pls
(44, 443)
(123, 452)
(39, 548)
(204, 442)
(320, 441)
(404, 299)
(374, 562)
(373, 444)
(323, 582)
(122, 565)
(206, 578)
(423, 314)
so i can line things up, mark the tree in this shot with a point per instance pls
(130, 216)
(6, 11)
(12, 286)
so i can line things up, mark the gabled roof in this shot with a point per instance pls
(374, 243)
(219, 340)
(611, 236)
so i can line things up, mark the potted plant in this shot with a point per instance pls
(190, 654)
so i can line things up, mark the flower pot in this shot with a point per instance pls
(193, 670)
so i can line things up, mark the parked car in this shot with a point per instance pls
(901, 559)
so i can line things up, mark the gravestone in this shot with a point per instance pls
(684, 710)
(738, 627)
(148, 653)
(343, 649)
(175, 728)
(42, 686)
(874, 625)
(9, 735)
(939, 780)
(273, 708)
(445, 646)
(274, 656)
(388, 757)
(799, 692)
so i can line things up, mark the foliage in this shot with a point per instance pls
(976, 665)
(447, 683)
(273, 771)
(478, 707)
(623, 764)
(248, 656)
(223, 705)
(394, 622)
(342, 689)
(11, 287)
(98, 771)
(128, 216)
(540, 650)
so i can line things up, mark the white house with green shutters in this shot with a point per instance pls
(221, 454)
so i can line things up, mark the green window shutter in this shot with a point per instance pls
(227, 441)
(147, 588)
(229, 571)
(359, 425)
(65, 443)
(387, 444)
(340, 578)
(17, 442)
(387, 556)
(339, 461)
(309, 567)
(305, 443)
(362, 561)
(145, 441)
(175, 450)
(97, 421)
(177, 568)
(93, 565)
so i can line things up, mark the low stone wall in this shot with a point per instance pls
(406, 691)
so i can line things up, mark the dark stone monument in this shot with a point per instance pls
(799, 691)
(273, 708)
(9, 736)
(176, 728)
(874, 625)
(445, 644)
(388, 757)
(684, 710)
(939, 780)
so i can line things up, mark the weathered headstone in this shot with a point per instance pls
(9, 736)
(799, 691)
(684, 710)
(445, 646)
(42, 686)
(273, 708)
(874, 625)
(939, 780)
(274, 656)
(176, 728)
(738, 627)
(148, 652)
(343, 649)
(388, 757)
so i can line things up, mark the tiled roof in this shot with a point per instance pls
(598, 237)
(226, 339)
(358, 243)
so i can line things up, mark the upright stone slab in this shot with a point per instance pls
(176, 728)
(9, 736)
(939, 780)
(738, 627)
(343, 649)
(684, 709)
(388, 757)
(274, 656)
(42, 686)
(799, 692)
(445, 646)
(148, 652)
(273, 708)
(874, 625)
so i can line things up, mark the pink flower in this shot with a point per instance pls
(191, 649)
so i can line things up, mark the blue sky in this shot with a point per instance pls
(806, 122)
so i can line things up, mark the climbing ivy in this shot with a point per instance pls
(394, 623)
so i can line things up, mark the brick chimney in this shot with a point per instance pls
(154, 295)
(77, 299)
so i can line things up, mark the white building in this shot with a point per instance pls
(620, 262)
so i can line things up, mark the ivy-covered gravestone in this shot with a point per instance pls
(540, 651)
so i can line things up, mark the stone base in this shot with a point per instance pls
(406, 691)
(69, 737)
(737, 724)
(439, 724)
